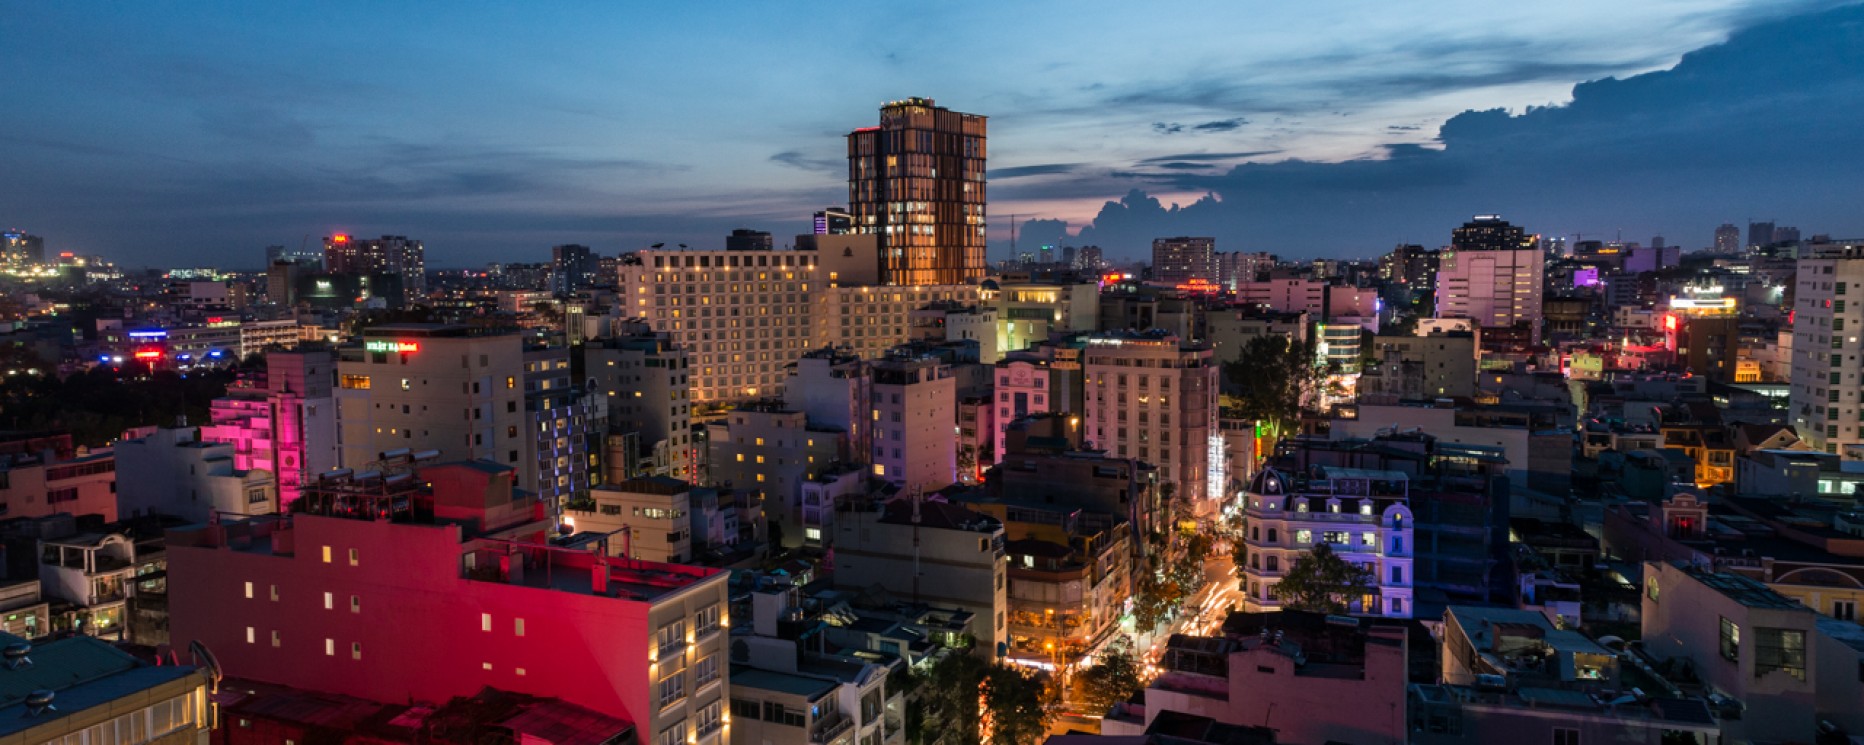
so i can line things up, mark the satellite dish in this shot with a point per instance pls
(207, 661)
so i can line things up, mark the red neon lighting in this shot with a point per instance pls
(1669, 323)
(340, 238)
(149, 355)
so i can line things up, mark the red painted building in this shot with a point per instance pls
(422, 587)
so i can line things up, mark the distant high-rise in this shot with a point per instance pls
(572, 268)
(389, 254)
(1785, 234)
(16, 247)
(1491, 274)
(1489, 233)
(1183, 259)
(1760, 234)
(1728, 239)
(917, 182)
(1825, 398)
(1088, 259)
(833, 221)
(749, 240)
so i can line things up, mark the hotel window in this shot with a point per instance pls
(674, 735)
(329, 601)
(355, 603)
(706, 620)
(672, 687)
(275, 639)
(355, 650)
(274, 593)
(485, 622)
(248, 590)
(705, 671)
(671, 637)
(326, 554)
(330, 647)
(518, 627)
(354, 557)
(250, 635)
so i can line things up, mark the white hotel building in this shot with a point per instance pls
(1364, 516)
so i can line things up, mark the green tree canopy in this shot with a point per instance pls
(1114, 677)
(1273, 380)
(1323, 582)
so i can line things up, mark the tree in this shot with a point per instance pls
(1273, 380)
(959, 692)
(1017, 706)
(1153, 600)
(1323, 582)
(1113, 678)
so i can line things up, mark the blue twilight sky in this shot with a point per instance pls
(193, 133)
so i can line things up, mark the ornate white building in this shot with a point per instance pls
(1363, 515)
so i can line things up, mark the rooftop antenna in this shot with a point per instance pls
(1013, 237)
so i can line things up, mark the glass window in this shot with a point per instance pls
(1731, 640)
(1779, 649)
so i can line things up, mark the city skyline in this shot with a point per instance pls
(248, 132)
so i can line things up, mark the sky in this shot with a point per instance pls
(197, 133)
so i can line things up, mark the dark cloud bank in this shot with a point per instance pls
(1761, 126)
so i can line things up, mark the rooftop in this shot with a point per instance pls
(1747, 592)
(82, 671)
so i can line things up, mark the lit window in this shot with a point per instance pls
(275, 639)
(355, 603)
(330, 647)
(355, 557)
(248, 590)
(485, 622)
(249, 635)
(519, 627)
(329, 601)
(326, 554)
(355, 650)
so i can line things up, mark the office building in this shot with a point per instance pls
(773, 448)
(560, 415)
(917, 183)
(833, 221)
(388, 255)
(572, 268)
(1183, 259)
(1154, 399)
(1439, 365)
(868, 321)
(317, 600)
(1364, 516)
(1029, 312)
(1236, 267)
(1491, 275)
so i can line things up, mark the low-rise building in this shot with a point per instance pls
(83, 690)
(172, 472)
(926, 551)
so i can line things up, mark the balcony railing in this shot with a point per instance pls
(831, 728)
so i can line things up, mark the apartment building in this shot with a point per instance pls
(43, 475)
(1828, 294)
(1152, 398)
(647, 381)
(283, 421)
(915, 414)
(929, 552)
(744, 314)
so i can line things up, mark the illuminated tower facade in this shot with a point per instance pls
(917, 182)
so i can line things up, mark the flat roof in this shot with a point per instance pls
(1742, 590)
(808, 687)
(83, 671)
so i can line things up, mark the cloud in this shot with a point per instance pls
(799, 159)
(1757, 125)
(1046, 169)
(1209, 156)
(1220, 125)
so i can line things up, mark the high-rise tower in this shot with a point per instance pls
(917, 182)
